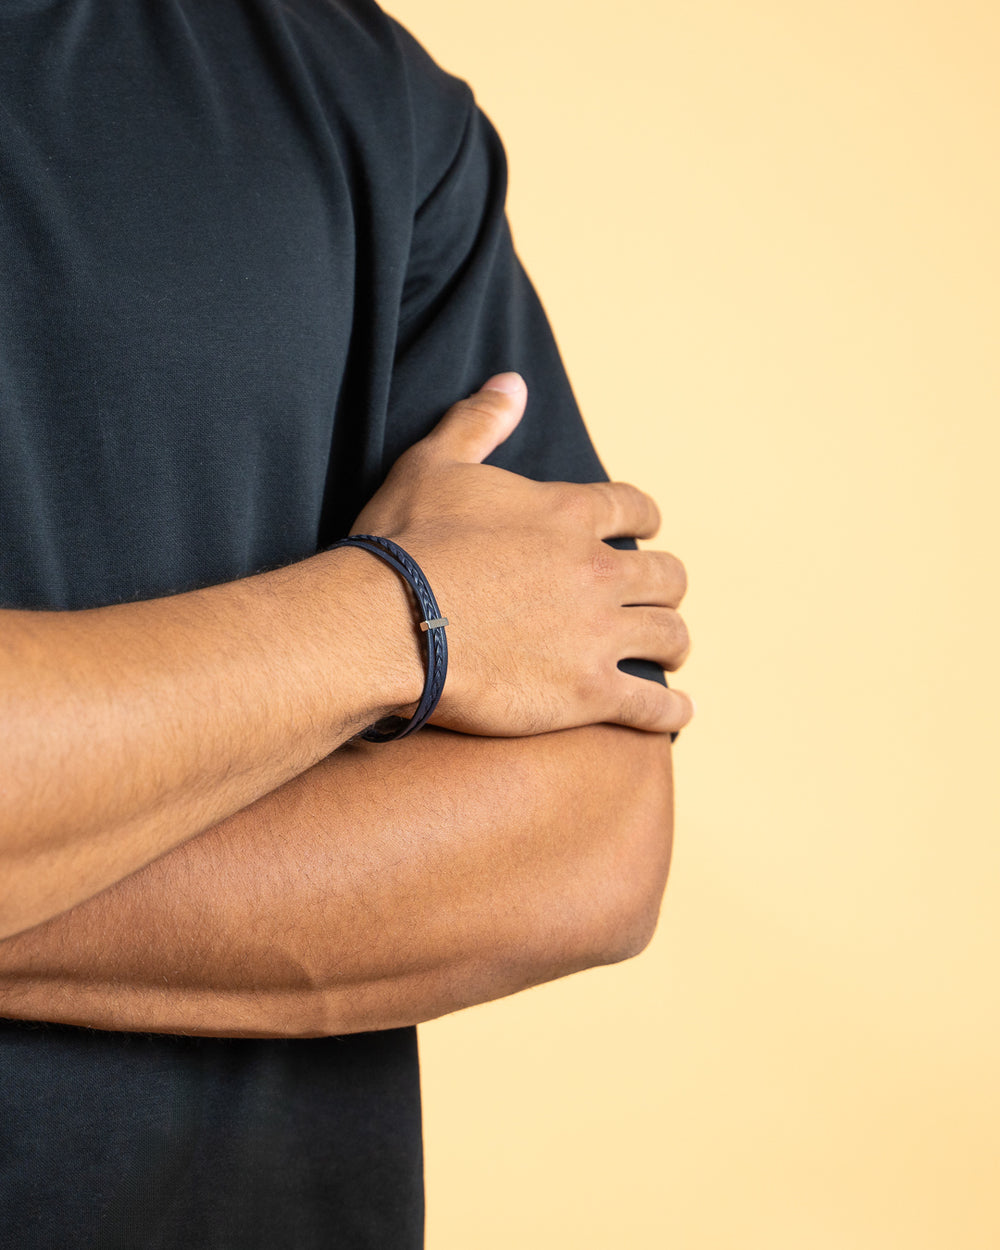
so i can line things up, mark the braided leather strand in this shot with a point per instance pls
(437, 644)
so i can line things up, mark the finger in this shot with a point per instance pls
(623, 510)
(476, 426)
(657, 634)
(647, 705)
(650, 579)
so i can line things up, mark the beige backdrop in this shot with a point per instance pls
(767, 236)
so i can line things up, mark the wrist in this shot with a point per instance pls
(371, 608)
(431, 623)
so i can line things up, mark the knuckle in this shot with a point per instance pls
(634, 708)
(619, 497)
(607, 492)
(591, 682)
(678, 575)
(603, 564)
(641, 503)
(572, 504)
(476, 409)
(613, 498)
(637, 511)
(415, 459)
(678, 640)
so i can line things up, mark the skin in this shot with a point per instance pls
(229, 710)
(365, 895)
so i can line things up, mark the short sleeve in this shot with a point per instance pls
(468, 308)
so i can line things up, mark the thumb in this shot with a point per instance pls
(476, 426)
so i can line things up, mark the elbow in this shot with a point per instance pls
(635, 878)
(635, 931)
(643, 844)
(634, 907)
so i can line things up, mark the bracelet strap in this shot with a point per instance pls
(433, 625)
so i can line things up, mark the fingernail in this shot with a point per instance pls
(509, 383)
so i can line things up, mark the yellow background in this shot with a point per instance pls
(767, 236)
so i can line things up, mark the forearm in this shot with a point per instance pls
(386, 886)
(125, 730)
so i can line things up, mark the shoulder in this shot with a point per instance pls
(382, 77)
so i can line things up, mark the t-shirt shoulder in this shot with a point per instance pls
(425, 112)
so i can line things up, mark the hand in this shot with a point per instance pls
(540, 608)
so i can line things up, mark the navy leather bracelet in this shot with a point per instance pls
(433, 624)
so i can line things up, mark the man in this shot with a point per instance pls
(252, 251)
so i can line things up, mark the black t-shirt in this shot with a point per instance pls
(250, 250)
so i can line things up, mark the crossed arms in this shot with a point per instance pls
(386, 886)
(376, 885)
